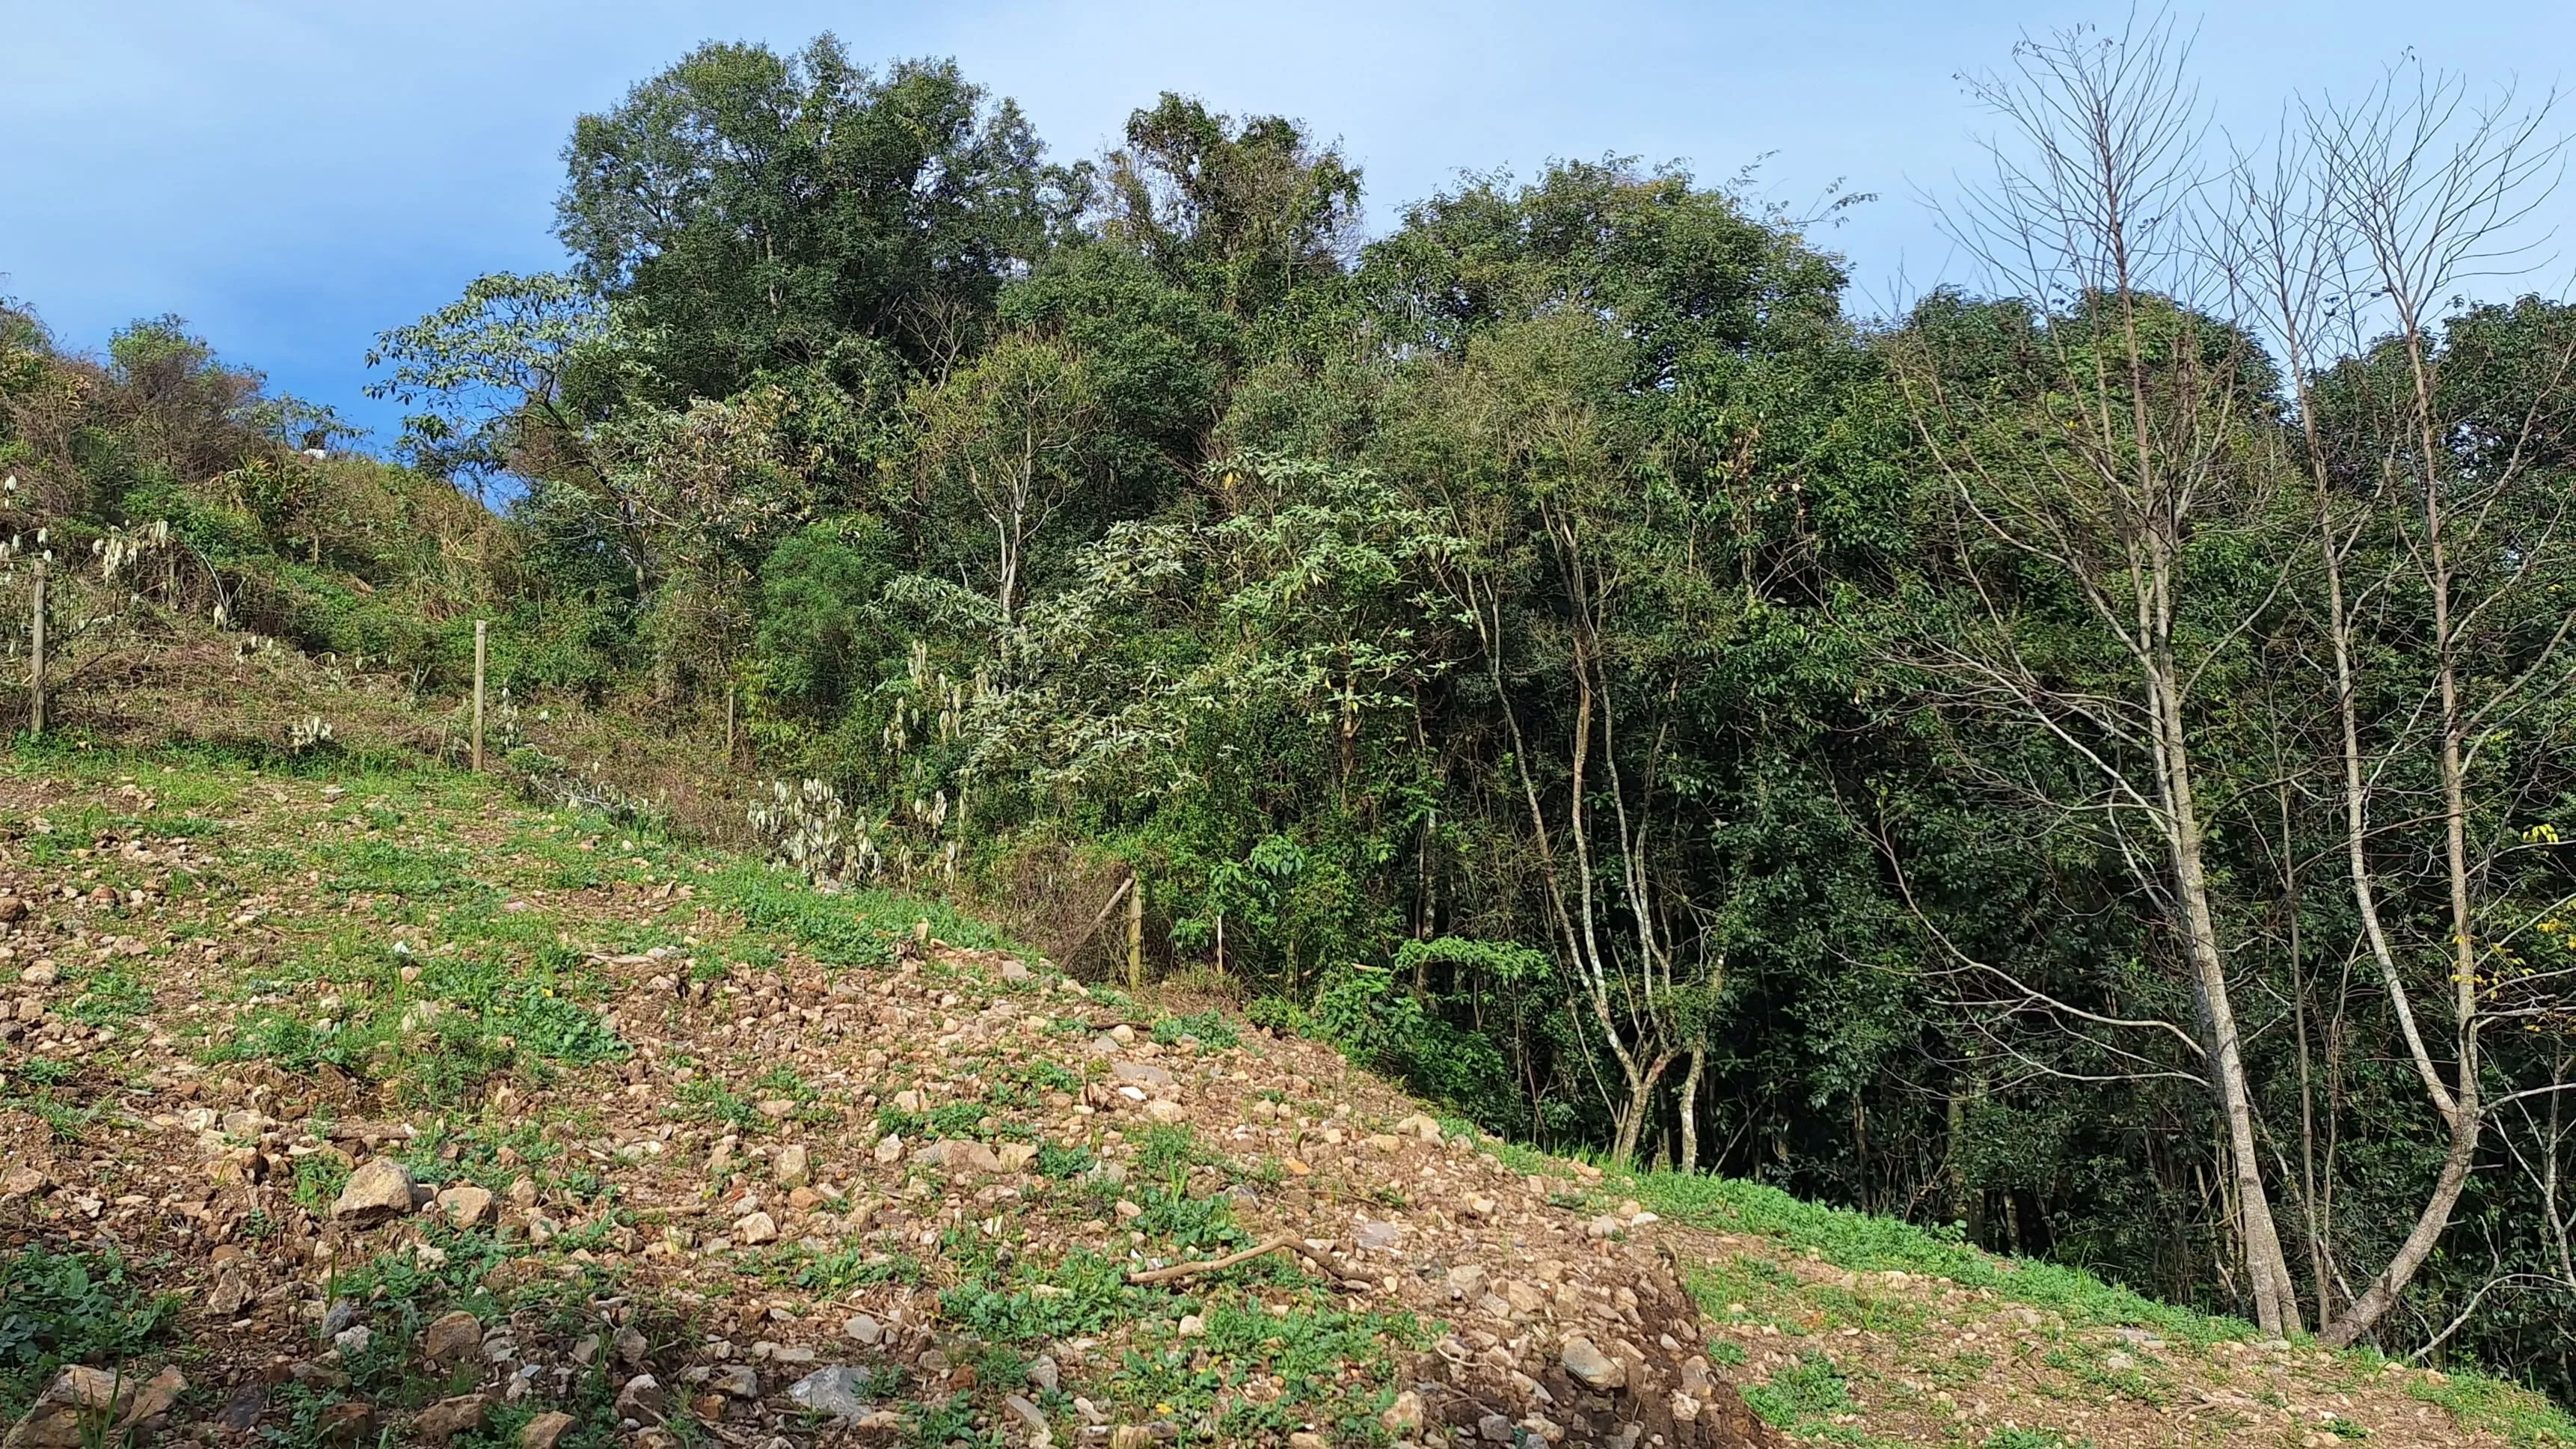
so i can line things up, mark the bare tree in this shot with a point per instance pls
(2127, 452)
(2370, 219)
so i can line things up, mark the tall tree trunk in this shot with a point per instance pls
(2276, 1304)
(1690, 1108)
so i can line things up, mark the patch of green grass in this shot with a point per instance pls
(1170, 1149)
(385, 867)
(947, 1120)
(1212, 1029)
(45, 1072)
(1867, 1244)
(1334, 1368)
(1797, 1398)
(1083, 1292)
(65, 1122)
(110, 996)
(1172, 1216)
(708, 1099)
(843, 1269)
(73, 1307)
(472, 1017)
(318, 1181)
(2092, 1367)
(843, 928)
(2522, 1418)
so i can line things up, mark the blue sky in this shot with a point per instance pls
(295, 177)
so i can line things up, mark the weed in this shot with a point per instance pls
(1062, 1162)
(110, 997)
(847, 1268)
(318, 1181)
(1211, 1028)
(1794, 1398)
(65, 1308)
(1170, 1150)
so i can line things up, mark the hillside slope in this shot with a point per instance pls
(378, 1101)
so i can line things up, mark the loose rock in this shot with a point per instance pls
(379, 1190)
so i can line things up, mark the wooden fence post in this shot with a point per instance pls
(1136, 935)
(480, 625)
(36, 658)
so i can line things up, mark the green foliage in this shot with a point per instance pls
(1796, 1398)
(1213, 1030)
(60, 1308)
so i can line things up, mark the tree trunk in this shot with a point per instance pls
(2276, 1304)
(1690, 1108)
(1640, 1105)
(2375, 1300)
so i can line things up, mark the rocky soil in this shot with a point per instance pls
(379, 1106)
(941, 1191)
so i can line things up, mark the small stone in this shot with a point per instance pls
(1494, 1429)
(523, 1193)
(1404, 1415)
(1165, 1111)
(736, 1381)
(466, 1205)
(1192, 1326)
(1303, 1439)
(1013, 971)
(755, 1229)
(1143, 1074)
(543, 1431)
(793, 1168)
(865, 1330)
(1591, 1367)
(343, 1425)
(1467, 1282)
(354, 1340)
(1379, 1236)
(448, 1418)
(43, 973)
(378, 1190)
(231, 1293)
(451, 1338)
(21, 1182)
(643, 1400)
(832, 1390)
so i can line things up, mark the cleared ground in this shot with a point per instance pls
(382, 1101)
